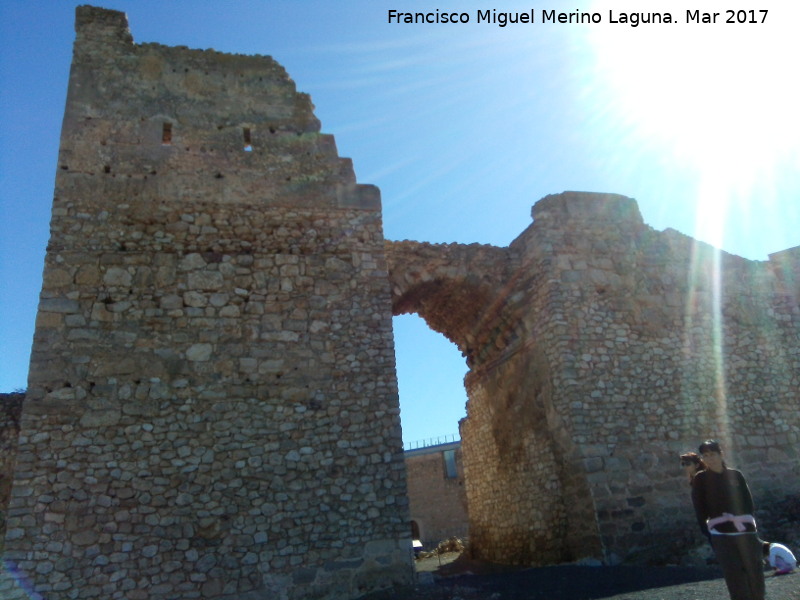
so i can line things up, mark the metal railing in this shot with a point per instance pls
(426, 443)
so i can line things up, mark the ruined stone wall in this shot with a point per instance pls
(510, 460)
(650, 342)
(599, 350)
(212, 406)
(671, 342)
(526, 500)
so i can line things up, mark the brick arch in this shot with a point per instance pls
(461, 291)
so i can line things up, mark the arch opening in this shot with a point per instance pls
(430, 373)
(430, 376)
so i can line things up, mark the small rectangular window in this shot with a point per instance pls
(450, 469)
(166, 134)
(248, 146)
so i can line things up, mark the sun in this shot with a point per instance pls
(718, 99)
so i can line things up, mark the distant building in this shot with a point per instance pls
(437, 498)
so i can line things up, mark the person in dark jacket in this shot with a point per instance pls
(724, 509)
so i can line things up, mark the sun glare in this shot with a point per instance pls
(717, 99)
(712, 89)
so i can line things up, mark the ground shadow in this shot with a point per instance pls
(572, 582)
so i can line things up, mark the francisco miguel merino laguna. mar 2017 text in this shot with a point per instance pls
(633, 19)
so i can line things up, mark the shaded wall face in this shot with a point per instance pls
(212, 405)
(515, 491)
(10, 410)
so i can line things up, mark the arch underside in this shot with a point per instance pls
(453, 308)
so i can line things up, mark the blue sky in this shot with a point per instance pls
(463, 127)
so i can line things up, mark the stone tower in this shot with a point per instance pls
(212, 408)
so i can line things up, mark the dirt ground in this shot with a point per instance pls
(452, 577)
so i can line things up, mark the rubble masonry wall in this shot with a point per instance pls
(212, 405)
(630, 346)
